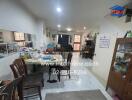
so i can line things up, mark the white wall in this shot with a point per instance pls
(114, 28)
(47, 40)
(14, 17)
(40, 35)
(120, 23)
(103, 58)
(5, 70)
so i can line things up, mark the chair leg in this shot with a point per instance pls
(42, 82)
(49, 73)
(59, 75)
(14, 95)
(69, 75)
(39, 90)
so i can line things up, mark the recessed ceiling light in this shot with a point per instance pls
(84, 28)
(69, 29)
(59, 9)
(59, 26)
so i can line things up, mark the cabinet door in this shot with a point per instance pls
(122, 57)
(128, 92)
(116, 83)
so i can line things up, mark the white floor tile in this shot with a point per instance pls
(81, 79)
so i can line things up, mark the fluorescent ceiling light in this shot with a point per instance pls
(59, 26)
(59, 9)
(69, 29)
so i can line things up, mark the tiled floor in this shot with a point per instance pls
(81, 79)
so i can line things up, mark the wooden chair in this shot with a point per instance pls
(3, 96)
(65, 67)
(28, 83)
(9, 91)
(38, 76)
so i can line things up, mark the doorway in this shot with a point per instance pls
(77, 43)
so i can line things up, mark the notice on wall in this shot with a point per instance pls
(104, 41)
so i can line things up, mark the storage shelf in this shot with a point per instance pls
(121, 71)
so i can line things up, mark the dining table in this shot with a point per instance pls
(45, 59)
(50, 60)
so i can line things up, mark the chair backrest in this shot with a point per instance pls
(15, 71)
(21, 63)
(19, 68)
(8, 93)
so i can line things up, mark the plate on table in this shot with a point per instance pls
(46, 57)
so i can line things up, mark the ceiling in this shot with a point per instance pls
(75, 13)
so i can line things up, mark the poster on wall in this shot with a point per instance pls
(104, 41)
(118, 11)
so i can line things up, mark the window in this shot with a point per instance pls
(77, 38)
(19, 36)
